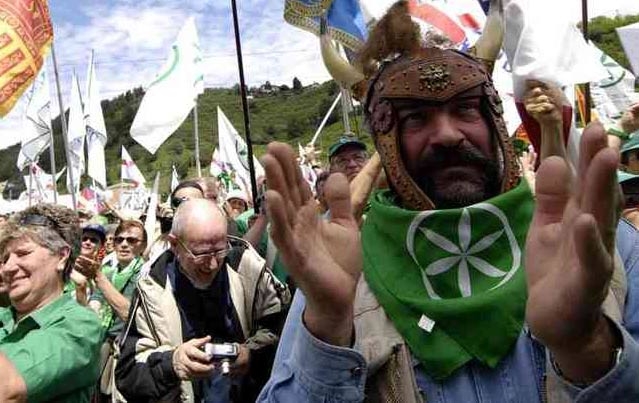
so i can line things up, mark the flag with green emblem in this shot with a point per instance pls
(452, 281)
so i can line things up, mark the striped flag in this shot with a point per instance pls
(25, 36)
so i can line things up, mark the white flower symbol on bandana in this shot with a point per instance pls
(464, 255)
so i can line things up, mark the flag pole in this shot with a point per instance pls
(197, 141)
(30, 182)
(328, 114)
(345, 118)
(247, 122)
(64, 128)
(52, 160)
(584, 27)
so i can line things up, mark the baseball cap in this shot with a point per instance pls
(237, 194)
(97, 228)
(344, 141)
(631, 144)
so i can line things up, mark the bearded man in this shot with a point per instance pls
(471, 291)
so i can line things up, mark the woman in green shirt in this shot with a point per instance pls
(49, 344)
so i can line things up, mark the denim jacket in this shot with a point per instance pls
(309, 370)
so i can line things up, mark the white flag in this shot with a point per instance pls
(37, 122)
(217, 167)
(42, 185)
(129, 170)
(175, 180)
(234, 153)
(171, 96)
(76, 134)
(95, 128)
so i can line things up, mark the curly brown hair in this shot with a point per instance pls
(62, 231)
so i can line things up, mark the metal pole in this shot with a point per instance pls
(247, 122)
(328, 114)
(30, 182)
(345, 107)
(584, 27)
(197, 141)
(64, 128)
(53, 168)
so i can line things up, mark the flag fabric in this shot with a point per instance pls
(76, 134)
(437, 273)
(548, 47)
(25, 36)
(175, 180)
(37, 122)
(345, 19)
(234, 154)
(96, 135)
(171, 96)
(615, 93)
(217, 167)
(130, 171)
(42, 187)
(629, 37)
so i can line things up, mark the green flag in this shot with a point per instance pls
(452, 281)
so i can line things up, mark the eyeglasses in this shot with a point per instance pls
(342, 162)
(176, 201)
(205, 257)
(129, 239)
(91, 239)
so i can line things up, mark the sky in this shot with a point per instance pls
(131, 40)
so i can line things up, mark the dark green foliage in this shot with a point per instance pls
(289, 116)
(601, 31)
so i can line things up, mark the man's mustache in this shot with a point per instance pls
(461, 155)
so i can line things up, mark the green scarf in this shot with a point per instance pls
(452, 281)
(119, 279)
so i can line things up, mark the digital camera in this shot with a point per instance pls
(224, 353)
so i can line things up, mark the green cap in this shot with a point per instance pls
(631, 144)
(344, 141)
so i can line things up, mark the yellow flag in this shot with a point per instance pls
(25, 36)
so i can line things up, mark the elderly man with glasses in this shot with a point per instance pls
(348, 156)
(208, 288)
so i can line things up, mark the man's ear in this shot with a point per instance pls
(172, 240)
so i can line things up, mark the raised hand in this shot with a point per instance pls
(569, 258)
(323, 256)
(630, 119)
(89, 268)
(544, 103)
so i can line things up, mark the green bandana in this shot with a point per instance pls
(452, 281)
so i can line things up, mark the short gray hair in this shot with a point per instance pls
(182, 212)
(63, 232)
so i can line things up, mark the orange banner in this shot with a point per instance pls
(25, 36)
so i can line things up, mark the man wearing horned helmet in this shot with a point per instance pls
(460, 287)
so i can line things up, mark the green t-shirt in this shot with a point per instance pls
(124, 281)
(56, 349)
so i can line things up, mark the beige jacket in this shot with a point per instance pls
(155, 326)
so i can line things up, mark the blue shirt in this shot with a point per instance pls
(309, 370)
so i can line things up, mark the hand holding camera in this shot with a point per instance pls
(190, 361)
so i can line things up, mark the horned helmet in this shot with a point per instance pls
(398, 62)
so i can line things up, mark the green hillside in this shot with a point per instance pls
(290, 115)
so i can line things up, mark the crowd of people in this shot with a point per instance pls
(439, 267)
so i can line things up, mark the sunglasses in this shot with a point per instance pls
(176, 201)
(129, 239)
(205, 257)
(90, 239)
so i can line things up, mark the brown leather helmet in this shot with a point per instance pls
(431, 75)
